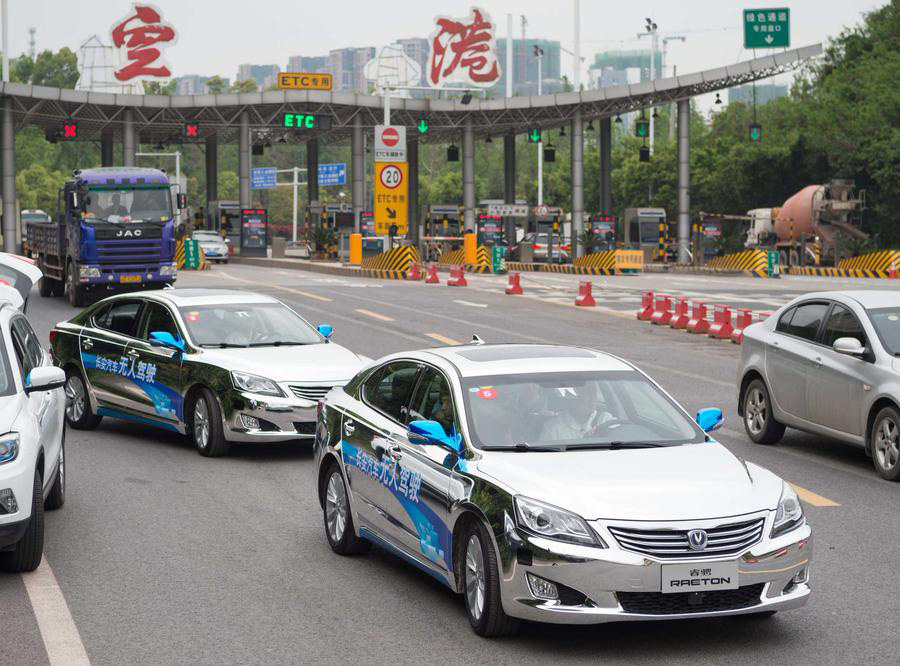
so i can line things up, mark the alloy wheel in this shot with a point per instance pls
(75, 399)
(336, 508)
(887, 443)
(475, 577)
(756, 411)
(201, 423)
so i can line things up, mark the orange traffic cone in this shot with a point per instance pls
(892, 274)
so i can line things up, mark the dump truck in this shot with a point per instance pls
(115, 231)
(813, 227)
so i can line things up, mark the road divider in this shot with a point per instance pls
(431, 276)
(585, 296)
(698, 323)
(680, 317)
(414, 273)
(742, 320)
(514, 288)
(646, 311)
(662, 310)
(721, 327)
(457, 277)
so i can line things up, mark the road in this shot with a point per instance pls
(163, 556)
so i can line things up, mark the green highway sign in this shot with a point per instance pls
(767, 28)
(422, 126)
(755, 132)
(305, 121)
(642, 128)
(534, 136)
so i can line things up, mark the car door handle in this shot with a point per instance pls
(395, 453)
(817, 361)
(349, 428)
(133, 353)
(87, 344)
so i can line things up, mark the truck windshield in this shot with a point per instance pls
(128, 205)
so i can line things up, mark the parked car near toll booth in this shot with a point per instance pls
(224, 366)
(827, 363)
(554, 484)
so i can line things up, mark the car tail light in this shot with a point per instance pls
(565, 248)
(52, 335)
(535, 247)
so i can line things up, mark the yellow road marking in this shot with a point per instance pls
(374, 315)
(441, 338)
(301, 293)
(810, 497)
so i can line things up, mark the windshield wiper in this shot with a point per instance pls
(614, 445)
(223, 345)
(521, 446)
(278, 343)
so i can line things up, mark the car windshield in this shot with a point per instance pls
(566, 411)
(125, 206)
(212, 238)
(887, 324)
(247, 325)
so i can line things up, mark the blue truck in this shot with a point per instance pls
(115, 231)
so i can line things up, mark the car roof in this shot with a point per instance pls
(475, 360)
(868, 298)
(201, 296)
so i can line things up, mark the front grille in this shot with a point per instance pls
(657, 603)
(128, 252)
(305, 427)
(314, 393)
(722, 540)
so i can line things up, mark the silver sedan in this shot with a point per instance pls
(554, 484)
(827, 363)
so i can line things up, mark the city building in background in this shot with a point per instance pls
(618, 68)
(264, 75)
(525, 67)
(765, 93)
(418, 50)
(191, 84)
(347, 66)
(315, 64)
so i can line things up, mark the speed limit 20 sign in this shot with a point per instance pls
(391, 198)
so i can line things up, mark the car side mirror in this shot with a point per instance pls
(326, 330)
(432, 433)
(166, 339)
(45, 379)
(849, 346)
(710, 418)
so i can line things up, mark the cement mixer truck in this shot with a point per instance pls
(813, 227)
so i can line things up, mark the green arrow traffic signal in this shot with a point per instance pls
(534, 136)
(755, 132)
(642, 128)
(422, 126)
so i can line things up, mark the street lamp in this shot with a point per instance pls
(539, 54)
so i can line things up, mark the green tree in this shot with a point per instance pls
(58, 69)
(215, 85)
(158, 88)
(36, 187)
(228, 185)
(246, 85)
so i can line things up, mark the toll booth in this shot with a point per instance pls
(372, 243)
(339, 217)
(254, 232)
(711, 239)
(647, 229)
(443, 231)
(224, 217)
(603, 228)
(490, 230)
(549, 225)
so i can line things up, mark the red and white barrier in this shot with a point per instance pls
(742, 320)
(431, 276)
(662, 310)
(457, 277)
(515, 285)
(414, 272)
(646, 310)
(698, 322)
(585, 296)
(721, 327)
(681, 316)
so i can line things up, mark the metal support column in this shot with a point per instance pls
(212, 174)
(577, 184)
(605, 144)
(8, 167)
(244, 160)
(106, 149)
(509, 183)
(684, 179)
(468, 169)
(312, 184)
(358, 168)
(129, 145)
(412, 157)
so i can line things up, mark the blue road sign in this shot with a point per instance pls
(263, 178)
(333, 174)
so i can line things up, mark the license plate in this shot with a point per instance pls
(130, 278)
(699, 577)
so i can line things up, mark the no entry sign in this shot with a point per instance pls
(390, 143)
(390, 137)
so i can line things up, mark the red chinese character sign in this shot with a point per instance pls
(463, 51)
(140, 38)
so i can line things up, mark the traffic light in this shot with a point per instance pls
(642, 128)
(422, 125)
(191, 130)
(549, 154)
(755, 132)
(644, 154)
(534, 135)
(453, 154)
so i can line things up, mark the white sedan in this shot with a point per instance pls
(213, 245)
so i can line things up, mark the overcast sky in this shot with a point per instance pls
(214, 36)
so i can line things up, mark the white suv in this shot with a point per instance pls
(32, 424)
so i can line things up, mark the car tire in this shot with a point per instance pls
(481, 584)
(206, 426)
(78, 403)
(759, 423)
(57, 496)
(74, 293)
(26, 554)
(45, 286)
(339, 529)
(884, 443)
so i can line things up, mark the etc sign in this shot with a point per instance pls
(463, 51)
(140, 38)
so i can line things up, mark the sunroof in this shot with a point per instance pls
(511, 353)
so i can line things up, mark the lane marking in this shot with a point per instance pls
(61, 638)
(374, 315)
(440, 338)
(471, 305)
(810, 497)
(303, 293)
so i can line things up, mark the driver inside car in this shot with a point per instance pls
(579, 413)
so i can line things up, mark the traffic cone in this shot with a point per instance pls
(892, 274)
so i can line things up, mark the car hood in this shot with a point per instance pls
(689, 482)
(308, 363)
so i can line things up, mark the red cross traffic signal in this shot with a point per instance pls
(70, 131)
(191, 130)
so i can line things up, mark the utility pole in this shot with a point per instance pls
(509, 55)
(651, 31)
(665, 41)
(4, 16)
(576, 79)
(32, 45)
(539, 54)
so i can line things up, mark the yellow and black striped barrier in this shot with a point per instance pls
(390, 265)
(458, 258)
(752, 262)
(871, 265)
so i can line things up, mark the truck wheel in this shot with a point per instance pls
(45, 287)
(26, 554)
(74, 293)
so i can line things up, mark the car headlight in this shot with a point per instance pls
(255, 384)
(168, 269)
(554, 523)
(9, 447)
(89, 271)
(789, 515)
